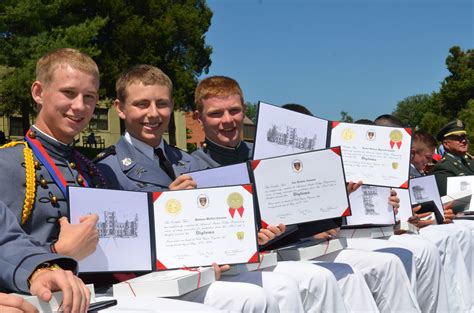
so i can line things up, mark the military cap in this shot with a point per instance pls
(455, 127)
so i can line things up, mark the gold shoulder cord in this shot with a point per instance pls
(30, 179)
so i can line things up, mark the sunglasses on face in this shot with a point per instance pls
(457, 138)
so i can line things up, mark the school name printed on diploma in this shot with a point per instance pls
(352, 155)
(298, 192)
(194, 232)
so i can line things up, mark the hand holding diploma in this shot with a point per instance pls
(219, 269)
(78, 240)
(183, 182)
(394, 201)
(269, 233)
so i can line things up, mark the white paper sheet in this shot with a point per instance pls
(230, 175)
(459, 184)
(301, 188)
(369, 206)
(124, 228)
(423, 189)
(198, 227)
(282, 132)
(377, 155)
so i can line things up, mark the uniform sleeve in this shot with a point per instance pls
(20, 254)
(441, 175)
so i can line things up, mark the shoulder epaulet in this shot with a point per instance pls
(102, 155)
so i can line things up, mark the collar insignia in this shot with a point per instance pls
(127, 161)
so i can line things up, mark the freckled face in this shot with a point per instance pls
(223, 119)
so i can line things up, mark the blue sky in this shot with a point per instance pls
(359, 56)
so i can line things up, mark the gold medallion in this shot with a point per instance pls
(173, 207)
(235, 200)
(240, 235)
(348, 134)
(396, 135)
(394, 165)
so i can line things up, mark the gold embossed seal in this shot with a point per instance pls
(173, 207)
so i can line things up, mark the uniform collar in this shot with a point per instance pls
(54, 147)
(227, 155)
(144, 148)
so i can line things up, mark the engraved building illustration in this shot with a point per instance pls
(465, 185)
(368, 193)
(419, 193)
(111, 228)
(290, 138)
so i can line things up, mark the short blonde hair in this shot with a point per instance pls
(46, 66)
(216, 86)
(143, 73)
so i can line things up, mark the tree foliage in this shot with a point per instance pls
(455, 98)
(116, 33)
(251, 111)
(346, 118)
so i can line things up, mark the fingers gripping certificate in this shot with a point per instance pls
(377, 155)
(301, 187)
(198, 227)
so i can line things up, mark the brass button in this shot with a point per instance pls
(37, 165)
(72, 165)
(54, 200)
(80, 180)
(32, 134)
(91, 172)
(43, 182)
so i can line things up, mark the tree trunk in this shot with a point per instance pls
(172, 131)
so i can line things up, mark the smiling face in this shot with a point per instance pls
(456, 144)
(66, 102)
(222, 119)
(146, 111)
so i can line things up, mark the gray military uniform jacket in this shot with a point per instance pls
(129, 169)
(20, 254)
(214, 155)
(414, 173)
(49, 203)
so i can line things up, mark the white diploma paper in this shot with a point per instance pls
(423, 189)
(301, 187)
(461, 185)
(124, 228)
(282, 132)
(369, 206)
(198, 227)
(229, 175)
(376, 155)
(405, 210)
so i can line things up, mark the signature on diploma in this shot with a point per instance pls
(328, 208)
(232, 252)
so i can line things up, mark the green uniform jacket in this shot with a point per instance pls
(451, 166)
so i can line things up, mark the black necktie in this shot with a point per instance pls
(165, 164)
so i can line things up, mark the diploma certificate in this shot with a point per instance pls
(376, 155)
(124, 228)
(230, 175)
(424, 189)
(282, 132)
(369, 206)
(198, 227)
(301, 187)
(461, 186)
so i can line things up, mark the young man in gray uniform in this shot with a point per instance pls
(40, 168)
(143, 161)
(220, 109)
(29, 268)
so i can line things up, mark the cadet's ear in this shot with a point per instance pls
(198, 116)
(37, 92)
(120, 108)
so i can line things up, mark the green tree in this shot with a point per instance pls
(346, 118)
(410, 111)
(116, 33)
(457, 88)
(251, 111)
